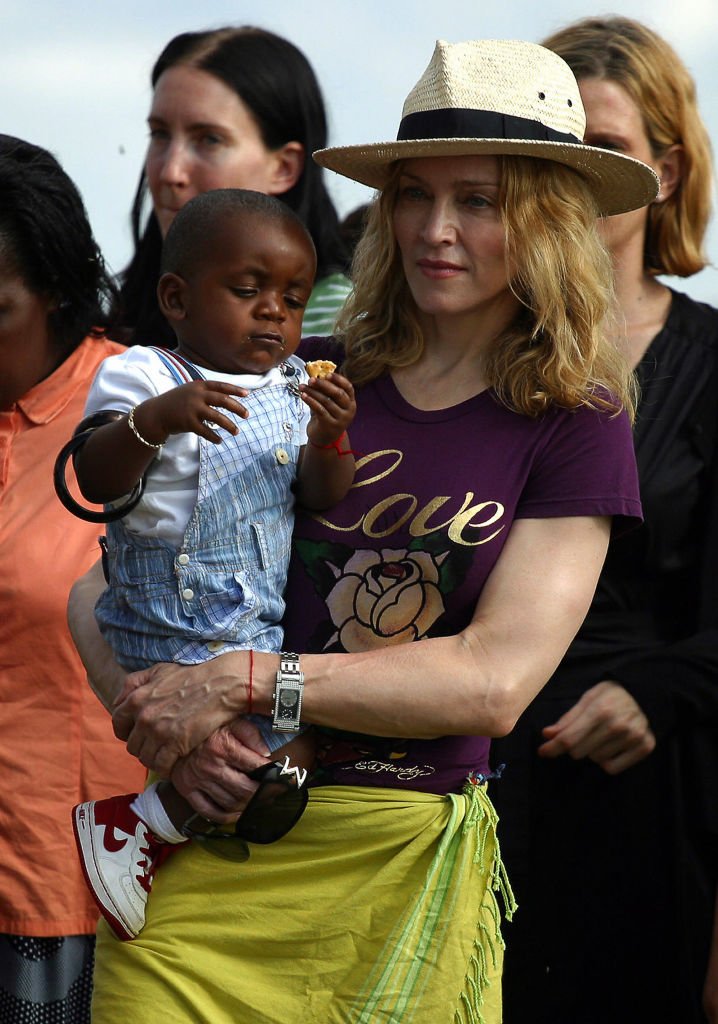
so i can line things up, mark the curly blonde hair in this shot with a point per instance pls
(556, 352)
(628, 53)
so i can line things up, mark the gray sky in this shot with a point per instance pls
(75, 76)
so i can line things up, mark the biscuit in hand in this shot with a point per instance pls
(320, 367)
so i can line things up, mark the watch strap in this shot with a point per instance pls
(288, 692)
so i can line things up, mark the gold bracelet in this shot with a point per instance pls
(138, 435)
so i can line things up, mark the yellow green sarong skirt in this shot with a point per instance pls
(379, 907)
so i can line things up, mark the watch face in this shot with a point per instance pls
(288, 698)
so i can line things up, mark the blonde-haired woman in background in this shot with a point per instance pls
(608, 809)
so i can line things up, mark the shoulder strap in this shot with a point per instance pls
(181, 369)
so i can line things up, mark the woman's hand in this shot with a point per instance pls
(165, 711)
(606, 725)
(212, 778)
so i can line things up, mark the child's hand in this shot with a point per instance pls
(190, 408)
(331, 400)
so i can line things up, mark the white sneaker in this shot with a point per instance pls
(119, 856)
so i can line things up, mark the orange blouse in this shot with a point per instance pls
(56, 742)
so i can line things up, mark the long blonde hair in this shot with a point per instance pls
(628, 53)
(556, 351)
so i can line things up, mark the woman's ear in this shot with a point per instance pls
(670, 172)
(287, 169)
(171, 297)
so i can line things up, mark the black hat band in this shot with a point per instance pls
(467, 123)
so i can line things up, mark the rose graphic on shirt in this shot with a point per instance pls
(376, 599)
(385, 597)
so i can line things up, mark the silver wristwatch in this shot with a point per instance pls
(288, 694)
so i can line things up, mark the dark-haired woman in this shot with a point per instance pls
(56, 743)
(232, 108)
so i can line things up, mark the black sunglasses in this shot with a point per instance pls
(274, 810)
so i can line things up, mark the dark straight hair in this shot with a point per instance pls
(275, 81)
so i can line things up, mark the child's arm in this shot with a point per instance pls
(326, 469)
(115, 456)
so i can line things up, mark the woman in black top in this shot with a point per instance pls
(607, 803)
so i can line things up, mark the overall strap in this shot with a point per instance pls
(181, 369)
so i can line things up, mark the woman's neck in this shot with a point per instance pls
(451, 368)
(23, 368)
(642, 302)
(643, 307)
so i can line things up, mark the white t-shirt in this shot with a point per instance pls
(124, 381)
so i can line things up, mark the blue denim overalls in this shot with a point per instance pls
(223, 588)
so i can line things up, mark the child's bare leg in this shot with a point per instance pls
(177, 809)
(301, 751)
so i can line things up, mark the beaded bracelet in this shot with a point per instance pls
(138, 435)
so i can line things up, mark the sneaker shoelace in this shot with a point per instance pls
(154, 852)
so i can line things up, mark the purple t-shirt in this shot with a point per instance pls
(406, 554)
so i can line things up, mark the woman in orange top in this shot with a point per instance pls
(56, 742)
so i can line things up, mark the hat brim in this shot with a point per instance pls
(619, 183)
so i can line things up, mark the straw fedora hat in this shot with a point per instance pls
(493, 97)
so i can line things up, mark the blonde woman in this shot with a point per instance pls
(493, 450)
(610, 785)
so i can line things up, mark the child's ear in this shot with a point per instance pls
(171, 297)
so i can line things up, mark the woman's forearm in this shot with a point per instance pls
(434, 687)
(104, 674)
(479, 681)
